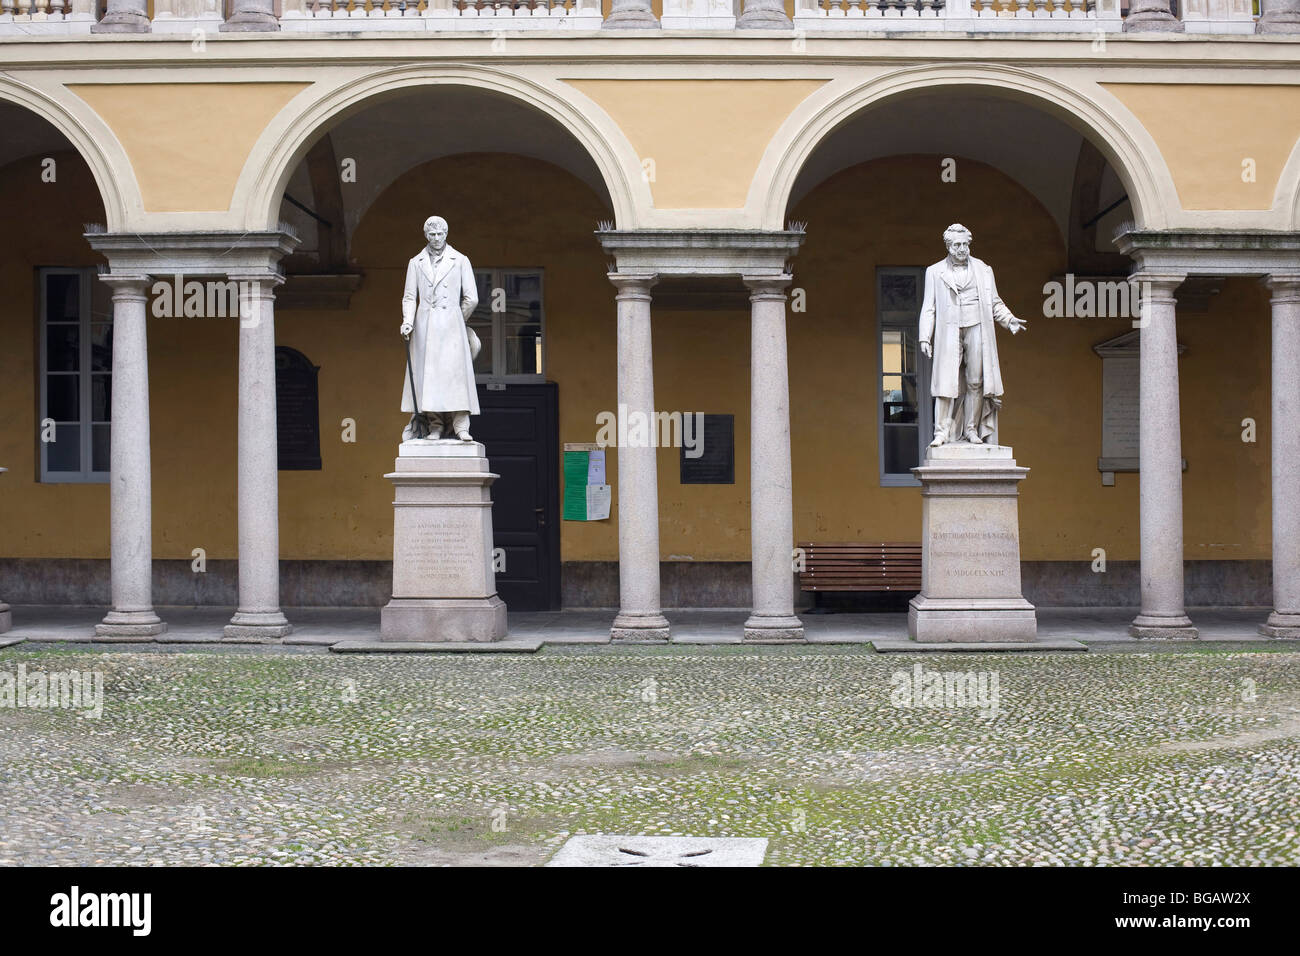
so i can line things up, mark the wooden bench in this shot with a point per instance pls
(861, 566)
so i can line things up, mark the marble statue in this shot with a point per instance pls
(440, 295)
(961, 305)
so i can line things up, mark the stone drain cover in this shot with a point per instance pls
(614, 850)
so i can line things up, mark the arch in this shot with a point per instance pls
(1287, 198)
(87, 145)
(269, 168)
(1127, 148)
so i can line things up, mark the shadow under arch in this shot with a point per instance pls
(1149, 188)
(51, 111)
(267, 175)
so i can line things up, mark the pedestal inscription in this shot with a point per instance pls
(970, 556)
(444, 588)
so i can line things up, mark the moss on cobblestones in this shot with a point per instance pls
(1148, 758)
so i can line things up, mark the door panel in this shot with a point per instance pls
(519, 426)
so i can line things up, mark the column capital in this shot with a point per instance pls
(767, 287)
(1159, 286)
(126, 285)
(632, 285)
(1283, 286)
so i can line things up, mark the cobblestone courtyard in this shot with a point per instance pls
(1182, 756)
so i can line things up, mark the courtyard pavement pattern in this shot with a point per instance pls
(324, 626)
(1177, 754)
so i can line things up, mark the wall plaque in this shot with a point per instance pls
(297, 411)
(716, 449)
(1120, 405)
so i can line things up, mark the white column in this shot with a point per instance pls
(130, 493)
(1285, 426)
(259, 617)
(1161, 465)
(771, 505)
(640, 617)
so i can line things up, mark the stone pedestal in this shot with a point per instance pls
(970, 554)
(444, 588)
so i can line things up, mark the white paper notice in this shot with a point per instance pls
(596, 467)
(598, 498)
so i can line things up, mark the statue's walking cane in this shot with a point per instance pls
(420, 418)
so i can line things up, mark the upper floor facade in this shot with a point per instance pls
(571, 17)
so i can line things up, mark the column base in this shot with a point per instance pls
(1178, 628)
(1153, 22)
(6, 618)
(636, 20)
(640, 629)
(128, 624)
(1278, 625)
(764, 20)
(250, 23)
(776, 629)
(257, 627)
(443, 619)
(1279, 23)
(123, 23)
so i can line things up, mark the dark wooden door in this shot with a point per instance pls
(519, 426)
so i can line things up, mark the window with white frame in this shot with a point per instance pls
(76, 367)
(509, 323)
(905, 413)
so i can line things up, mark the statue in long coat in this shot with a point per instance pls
(440, 296)
(958, 313)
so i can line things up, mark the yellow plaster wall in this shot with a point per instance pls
(1205, 131)
(889, 212)
(705, 137)
(187, 142)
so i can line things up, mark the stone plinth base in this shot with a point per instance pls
(964, 620)
(129, 625)
(640, 629)
(1163, 628)
(6, 618)
(444, 586)
(774, 630)
(1279, 625)
(970, 549)
(443, 619)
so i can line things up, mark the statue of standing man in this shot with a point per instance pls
(440, 296)
(960, 308)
